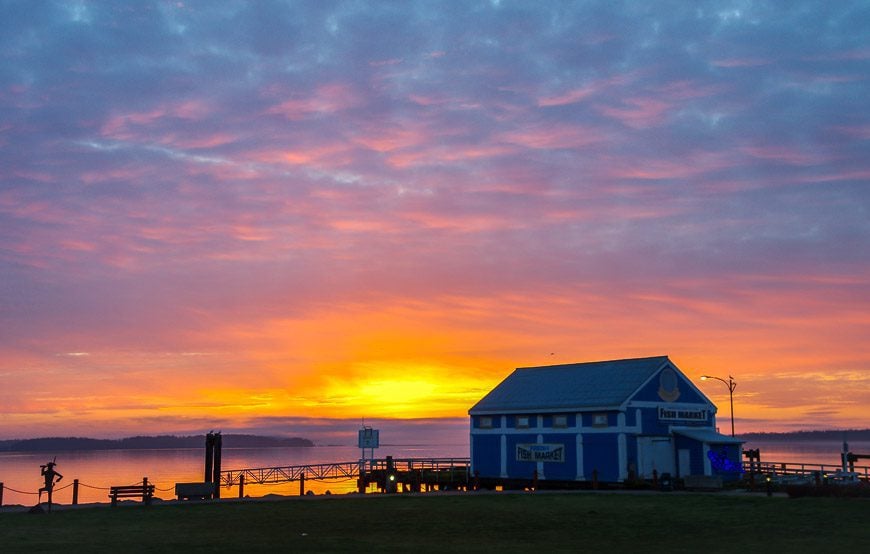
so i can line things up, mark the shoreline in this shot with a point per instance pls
(19, 508)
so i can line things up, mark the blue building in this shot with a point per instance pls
(617, 418)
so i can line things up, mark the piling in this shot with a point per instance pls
(242, 485)
(302, 484)
(209, 457)
(216, 477)
(1, 493)
(75, 499)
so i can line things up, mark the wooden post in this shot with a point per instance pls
(595, 479)
(75, 499)
(302, 484)
(1, 493)
(146, 498)
(217, 465)
(209, 457)
(242, 485)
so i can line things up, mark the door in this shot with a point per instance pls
(684, 456)
(655, 453)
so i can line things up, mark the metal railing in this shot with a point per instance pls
(337, 470)
(801, 469)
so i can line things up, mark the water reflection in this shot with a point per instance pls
(98, 470)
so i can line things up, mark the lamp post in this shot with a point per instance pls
(731, 386)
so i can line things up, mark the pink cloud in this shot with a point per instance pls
(440, 154)
(327, 99)
(206, 141)
(331, 155)
(861, 132)
(856, 54)
(581, 93)
(390, 138)
(570, 97)
(686, 89)
(785, 154)
(124, 126)
(639, 112)
(694, 164)
(559, 135)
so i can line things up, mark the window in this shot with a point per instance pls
(485, 423)
(522, 422)
(560, 421)
(599, 420)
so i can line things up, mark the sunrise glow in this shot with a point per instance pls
(248, 217)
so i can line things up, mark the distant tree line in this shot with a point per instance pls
(829, 435)
(145, 443)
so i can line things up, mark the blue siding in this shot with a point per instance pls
(512, 421)
(567, 470)
(496, 422)
(696, 455)
(571, 419)
(589, 418)
(601, 452)
(651, 423)
(487, 455)
(631, 451)
(517, 469)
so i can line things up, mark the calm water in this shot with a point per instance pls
(97, 470)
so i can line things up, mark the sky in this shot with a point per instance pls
(288, 217)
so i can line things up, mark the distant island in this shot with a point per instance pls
(829, 435)
(57, 444)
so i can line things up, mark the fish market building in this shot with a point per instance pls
(611, 420)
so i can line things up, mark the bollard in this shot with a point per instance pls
(75, 499)
(242, 485)
(769, 486)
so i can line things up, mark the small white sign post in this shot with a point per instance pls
(368, 438)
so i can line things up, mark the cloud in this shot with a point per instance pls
(309, 191)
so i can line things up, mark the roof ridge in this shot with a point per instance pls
(552, 366)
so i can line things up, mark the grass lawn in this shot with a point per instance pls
(528, 523)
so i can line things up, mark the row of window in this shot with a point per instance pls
(525, 422)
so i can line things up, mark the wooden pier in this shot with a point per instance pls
(387, 474)
(785, 471)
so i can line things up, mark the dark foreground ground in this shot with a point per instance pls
(470, 522)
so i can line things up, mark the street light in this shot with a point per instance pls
(731, 386)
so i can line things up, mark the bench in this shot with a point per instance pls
(145, 491)
(189, 491)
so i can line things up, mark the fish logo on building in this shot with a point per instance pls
(669, 388)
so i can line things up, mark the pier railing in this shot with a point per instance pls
(337, 470)
(788, 469)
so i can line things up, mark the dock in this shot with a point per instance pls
(387, 474)
(392, 475)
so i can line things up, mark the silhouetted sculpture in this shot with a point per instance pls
(49, 474)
